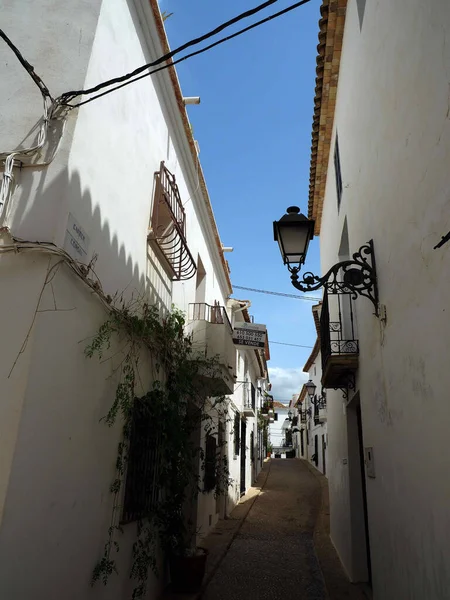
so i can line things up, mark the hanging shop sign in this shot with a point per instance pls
(249, 335)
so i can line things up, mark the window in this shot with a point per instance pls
(209, 482)
(253, 392)
(237, 437)
(361, 8)
(337, 171)
(141, 487)
(316, 411)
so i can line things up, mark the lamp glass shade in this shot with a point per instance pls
(310, 388)
(293, 232)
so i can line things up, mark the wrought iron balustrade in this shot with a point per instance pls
(168, 226)
(339, 345)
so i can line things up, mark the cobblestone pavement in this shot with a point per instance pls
(273, 557)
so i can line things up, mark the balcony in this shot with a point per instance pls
(167, 234)
(303, 416)
(212, 335)
(266, 409)
(249, 399)
(339, 346)
(320, 412)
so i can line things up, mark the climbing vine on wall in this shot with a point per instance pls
(180, 403)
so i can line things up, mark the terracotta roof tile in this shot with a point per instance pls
(331, 30)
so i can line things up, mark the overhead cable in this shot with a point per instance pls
(169, 55)
(286, 344)
(29, 68)
(10, 158)
(129, 78)
(296, 296)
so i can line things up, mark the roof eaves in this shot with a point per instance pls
(190, 138)
(331, 32)
(316, 348)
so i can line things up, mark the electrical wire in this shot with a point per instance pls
(286, 344)
(72, 94)
(51, 111)
(296, 296)
(129, 78)
(27, 66)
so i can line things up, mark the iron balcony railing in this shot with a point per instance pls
(217, 315)
(337, 337)
(168, 226)
(249, 396)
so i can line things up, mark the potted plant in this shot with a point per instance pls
(269, 449)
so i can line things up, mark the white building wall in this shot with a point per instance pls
(247, 370)
(57, 459)
(394, 138)
(315, 374)
(276, 432)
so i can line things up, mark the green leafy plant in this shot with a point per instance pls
(184, 408)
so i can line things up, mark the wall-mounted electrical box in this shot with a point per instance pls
(369, 461)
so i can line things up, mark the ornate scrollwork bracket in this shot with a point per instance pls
(350, 386)
(357, 277)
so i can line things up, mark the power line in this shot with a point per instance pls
(26, 65)
(296, 296)
(131, 77)
(286, 344)
(169, 55)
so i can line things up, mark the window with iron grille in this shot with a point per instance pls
(237, 436)
(144, 460)
(316, 411)
(337, 171)
(253, 391)
(209, 482)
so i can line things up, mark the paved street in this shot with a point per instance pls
(272, 556)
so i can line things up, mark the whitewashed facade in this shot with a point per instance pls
(309, 429)
(387, 179)
(245, 447)
(57, 460)
(277, 428)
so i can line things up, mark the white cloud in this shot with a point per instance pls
(286, 382)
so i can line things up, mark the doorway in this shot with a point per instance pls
(243, 455)
(316, 450)
(200, 290)
(219, 457)
(358, 494)
(364, 491)
(324, 464)
(302, 442)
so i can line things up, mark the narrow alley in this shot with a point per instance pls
(279, 550)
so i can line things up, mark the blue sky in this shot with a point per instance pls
(254, 130)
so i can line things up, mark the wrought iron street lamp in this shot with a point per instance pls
(310, 388)
(357, 276)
